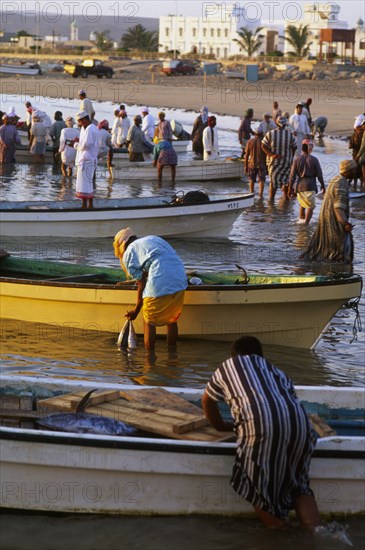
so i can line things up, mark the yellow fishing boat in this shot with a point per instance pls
(282, 310)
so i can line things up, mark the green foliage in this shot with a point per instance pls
(298, 38)
(102, 41)
(139, 38)
(249, 41)
(23, 33)
(275, 53)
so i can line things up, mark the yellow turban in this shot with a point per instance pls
(120, 241)
(347, 166)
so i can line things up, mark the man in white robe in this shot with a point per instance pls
(87, 147)
(300, 126)
(210, 140)
(148, 124)
(86, 104)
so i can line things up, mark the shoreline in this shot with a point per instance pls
(223, 96)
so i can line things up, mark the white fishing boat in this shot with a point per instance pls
(180, 146)
(174, 469)
(164, 216)
(186, 170)
(20, 69)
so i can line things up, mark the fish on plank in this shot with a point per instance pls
(81, 422)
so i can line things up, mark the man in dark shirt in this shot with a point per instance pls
(245, 131)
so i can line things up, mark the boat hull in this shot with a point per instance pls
(18, 69)
(194, 170)
(41, 219)
(292, 315)
(57, 472)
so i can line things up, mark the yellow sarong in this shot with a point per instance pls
(307, 199)
(164, 310)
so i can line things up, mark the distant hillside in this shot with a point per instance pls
(117, 26)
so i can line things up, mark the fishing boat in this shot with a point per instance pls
(30, 70)
(186, 170)
(286, 310)
(23, 155)
(164, 216)
(166, 472)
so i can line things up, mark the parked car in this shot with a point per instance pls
(174, 67)
(89, 67)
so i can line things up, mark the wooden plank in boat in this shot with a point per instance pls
(168, 422)
(161, 398)
(320, 426)
(13, 408)
(70, 401)
(152, 421)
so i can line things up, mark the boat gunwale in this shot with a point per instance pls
(240, 197)
(124, 285)
(155, 444)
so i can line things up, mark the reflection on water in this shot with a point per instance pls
(29, 348)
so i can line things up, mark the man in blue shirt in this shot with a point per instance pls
(161, 281)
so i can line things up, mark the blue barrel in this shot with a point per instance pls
(252, 73)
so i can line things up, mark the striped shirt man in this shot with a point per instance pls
(274, 438)
(281, 146)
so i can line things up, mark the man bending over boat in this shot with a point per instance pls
(274, 438)
(161, 281)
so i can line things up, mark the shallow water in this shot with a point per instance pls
(264, 239)
(131, 533)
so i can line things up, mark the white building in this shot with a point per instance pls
(74, 31)
(318, 16)
(211, 34)
(360, 40)
(56, 39)
(215, 31)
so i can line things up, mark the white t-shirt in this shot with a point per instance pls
(68, 153)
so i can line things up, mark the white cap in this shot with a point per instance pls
(81, 114)
(144, 109)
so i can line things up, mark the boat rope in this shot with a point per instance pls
(246, 278)
(357, 327)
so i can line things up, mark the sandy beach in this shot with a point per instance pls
(339, 100)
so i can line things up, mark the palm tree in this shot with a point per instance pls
(103, 41)
(249, 41)
(298, 39)
(139, 38)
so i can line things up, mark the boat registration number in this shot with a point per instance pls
(232, 205)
